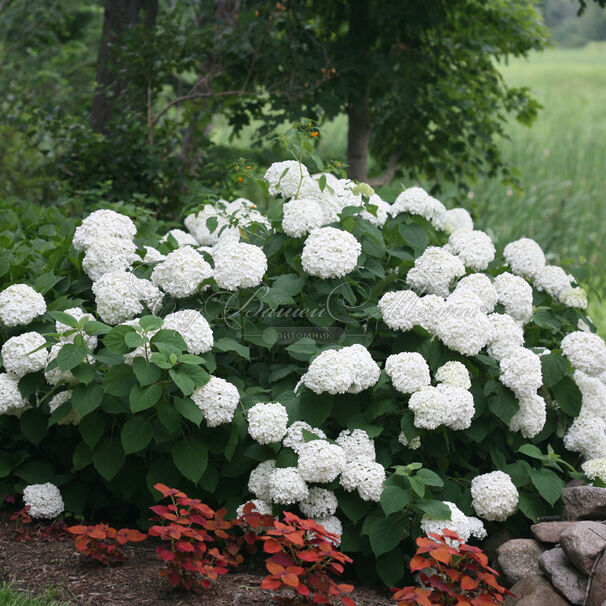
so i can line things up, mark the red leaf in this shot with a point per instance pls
(270, 583)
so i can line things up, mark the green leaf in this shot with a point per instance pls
(6, 463)
(191, 458)
(430, 478)
(91, 428)
(84, 373)
(33, 424)
(501, 401)
(146, 372)
(136, 434)
(303, 349)
(532, 507)
(314, 408)
(114, 339)
(63, 318)
(70, 355)
(415, 236)
(108, 457)
(530, 450)
(134, 340)
(93, 327)
(417, 485)
(86, 398)
(169, 416)
(384, 534)
(189, 410)
(548, 484)
(554, 367)
(148, 323)
(568, 396)
(394, 499)
(391, 567)
(81, 457)
(436, 509)
(168, 341)
(183, 381)
(118, 380)
(142, 398)
(227, 344)
(351, 504)
(36, 472)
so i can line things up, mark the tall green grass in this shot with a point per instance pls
(12, 597)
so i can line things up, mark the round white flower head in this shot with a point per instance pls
(494, 496)
(593, 392)
(585, 351)
(400, 309)
(455, 374)
(181, 274)
(330, 372)
(193, 328)
(365, 371)
(481, 286)
(239, 265)
(530, 419)
(182, 238)
(19, 357)
(153, 255)
(217, 400)
(301, 216)
(553, 280)
(382, 211)
(329, 252)
(331, 201)
(118, 295)
(413, 445)
(331, 524)
(356, 444)
(72, 417)
(267, 422)
(416, 201)
(474, 248)
(430, 406)
(285, 178)
(595, 469)
(20, 304)
(460, 405)
(516, 296)
(44, 500)
(464, 526)
(78, 314)
(261, 507)
(365, 476)
(434, 271)
(408, 371)
(453, 220)
(320, 461)
(286, 486)
(506, 336)
(574, 297)
(320, 503)
(587, 435)
(11, 399)
(103, 223)
(521, 372)
(108, 254)
(429, 311)
(525, 257)
(464, 325)
(196, 224)
(258, 481)
(294, 435)
(245, 213)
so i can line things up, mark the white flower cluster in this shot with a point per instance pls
(294, 435)
(239, 265)
(585, 352)
(194, 329)
(494, 496)
(364, 475)
(286, 486)
(182, 238)
(465, 526)
(356, 443)
(258, 481)
(320, 461)
(506, 335)
(285, 178)
(414, 444)
(329, 252)
(595, 469)
(442, 405)
(474, 248)
(301, 216)
(401, 309)
(525, 257)
(434, 271)
(267, 422)
(453, 220)
(197, 225)
(107, 254)
(481, 286)
(44, 500)
(262, 507)
(182, 272)
(320, 503)
(416, 201)
(78, 314)
(103, 224)
(515, 294)
(331, 524)
(11, 400)
(454, 374)
(24, 354)
(119, 296)
(20, 304)
(350, 369)
(217, 400)
(408, 372)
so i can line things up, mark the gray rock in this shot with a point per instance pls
(519, 558)
(534, 591)
(566, 579)
(582, 543)
(597, 591)
(584, 503)
(549, 532)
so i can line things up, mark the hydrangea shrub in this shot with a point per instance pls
(376, 367)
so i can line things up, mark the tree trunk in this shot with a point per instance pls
(358, 112)
(119, 16)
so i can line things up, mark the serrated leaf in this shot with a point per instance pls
(394, 499)
(142, 398)
(189, 410)
(70, 355)
(190, 458)
(136, 434)
(146, 372)
(86, 398)
(108, 457)
(548, 484)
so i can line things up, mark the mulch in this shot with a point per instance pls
(39, 565)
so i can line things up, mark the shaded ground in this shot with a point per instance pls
(38, 565)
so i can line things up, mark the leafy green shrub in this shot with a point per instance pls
(241, 361)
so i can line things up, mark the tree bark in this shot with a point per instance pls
(358, 111)
(119, 16)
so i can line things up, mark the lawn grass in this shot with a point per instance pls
(12, 597)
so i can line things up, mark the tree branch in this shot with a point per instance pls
(390, 171)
